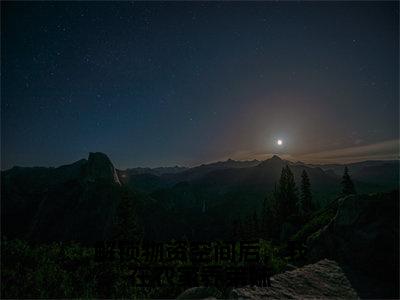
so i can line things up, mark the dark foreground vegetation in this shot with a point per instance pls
(52, 217)
(69, 270)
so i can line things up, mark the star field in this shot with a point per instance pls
(165, 83)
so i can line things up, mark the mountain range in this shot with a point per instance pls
(79, 201)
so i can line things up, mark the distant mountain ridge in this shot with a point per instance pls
(385, 173)
(197, 171)
(79, 200)
(154, 171)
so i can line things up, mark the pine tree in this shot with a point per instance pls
(126, 225)
(347, 183)
(239, 229)
(286, 195)
(249, 227)
(256, 228)
(264, 217)
(306, 205)
(235, 230)
(268, 218)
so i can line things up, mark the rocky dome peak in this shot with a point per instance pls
(99, 166)
(98, 156)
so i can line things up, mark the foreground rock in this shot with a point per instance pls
(324, 279)
(364, 237)
(201, 293)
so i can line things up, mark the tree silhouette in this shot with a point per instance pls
(264, 217)
(256, 228)
(268, 217)
(347, 183)
(306, 205)
(236, 229)
(125, 225)
(286, 195)
(239, 230)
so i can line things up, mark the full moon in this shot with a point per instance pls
(279, 142)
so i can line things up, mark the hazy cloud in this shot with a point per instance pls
(378, 151)
(382, 150)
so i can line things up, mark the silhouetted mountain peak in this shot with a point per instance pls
(99, 166)
(274, 161)
(98, 156)
(275, 157)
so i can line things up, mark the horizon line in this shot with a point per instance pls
(283, 157)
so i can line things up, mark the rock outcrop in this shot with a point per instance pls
(364, 235)
(71, 202)
(99, 166)
(201, 293)
(322, 280)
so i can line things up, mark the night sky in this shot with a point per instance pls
(160, 84)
